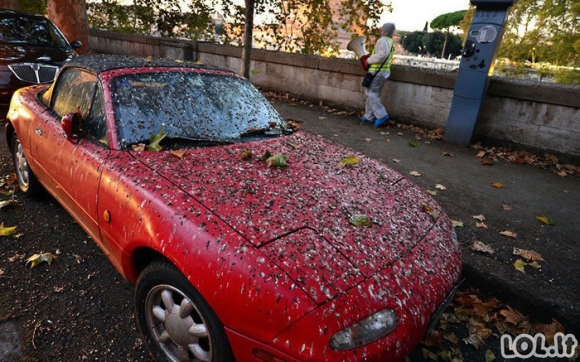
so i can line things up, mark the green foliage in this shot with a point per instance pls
(446, 21)
(419, 42)
(154, 17)
(33, 6)
(301, 26)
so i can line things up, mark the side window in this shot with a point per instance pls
(95, 125)
(74, 92)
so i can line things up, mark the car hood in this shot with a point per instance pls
(16, 53)
(315, 192)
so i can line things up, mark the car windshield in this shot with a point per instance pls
(18, 29)
(189, 105)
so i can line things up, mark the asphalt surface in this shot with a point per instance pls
(549, 290)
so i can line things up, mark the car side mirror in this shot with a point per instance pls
(76, 44)
(70, 123)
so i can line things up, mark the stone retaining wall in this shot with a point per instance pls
(538, 116)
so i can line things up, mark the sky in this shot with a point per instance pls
(411, 15)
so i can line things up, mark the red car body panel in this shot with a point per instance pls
(271, 249)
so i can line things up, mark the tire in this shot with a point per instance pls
(176, 322)
(27, 181)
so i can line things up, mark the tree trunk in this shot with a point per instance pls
(444, 44)
(70, 16)
(9, 4)
(248, 35)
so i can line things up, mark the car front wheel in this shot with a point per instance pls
(27, 182)
(175, 320)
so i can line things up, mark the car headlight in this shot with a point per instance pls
(365, 331)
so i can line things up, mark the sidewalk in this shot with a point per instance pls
(528, 192)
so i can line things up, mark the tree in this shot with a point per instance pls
(414, 42)
(70, 16)
(445, 22)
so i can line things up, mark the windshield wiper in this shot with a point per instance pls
(271, 132)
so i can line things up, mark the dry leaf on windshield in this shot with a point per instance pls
(510, 234)
(481, 247)
(528, 254)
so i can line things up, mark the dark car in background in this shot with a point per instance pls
(32, 50)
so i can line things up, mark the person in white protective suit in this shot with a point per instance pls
(375, 111)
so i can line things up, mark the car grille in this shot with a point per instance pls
(34, 73)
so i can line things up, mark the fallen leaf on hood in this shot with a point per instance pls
(349, 161)
(506, 207)
(360, 220)
(178, 153)
(246, 155)
(39, 258)
(415, 173)
(440, 187)
(478, 217)
(481, 247)
(277, 160)
(510, 234)
(528, 254)
(481, 225)
(545, 220)
(497, 185)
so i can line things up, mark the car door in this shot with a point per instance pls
(74, 166)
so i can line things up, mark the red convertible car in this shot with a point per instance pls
(247, 239)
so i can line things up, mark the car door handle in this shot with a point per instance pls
(38, 131)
